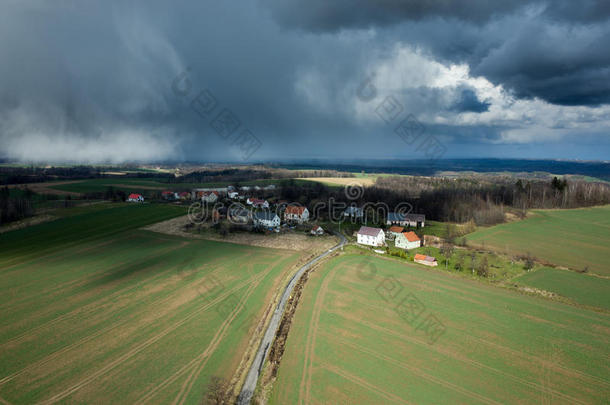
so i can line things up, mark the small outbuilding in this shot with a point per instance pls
(133, 197)
(317, 230)
(425, 260)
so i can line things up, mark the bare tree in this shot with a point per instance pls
(217, 392)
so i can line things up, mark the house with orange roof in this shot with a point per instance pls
(425, 260)
(394, 231)
(407, 240)
(296, 213)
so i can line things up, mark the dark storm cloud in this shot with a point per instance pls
(89, 80)
(554, 50)
(322, 15)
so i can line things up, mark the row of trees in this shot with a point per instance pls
(13, 208)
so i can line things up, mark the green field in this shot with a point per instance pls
(147, 185)
(582, 288)
(576, 238)
(95, 310)
(354, 340)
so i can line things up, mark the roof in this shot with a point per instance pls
(167, 192)
(184, 193)
(415, 217)
(411, 236)
(397, 216)
(424, 258)
(366, 230)
(396, 229)
(265, 215)
(295, 209)
(133, 195)
(317, 228)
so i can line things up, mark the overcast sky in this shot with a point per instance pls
(253, 80)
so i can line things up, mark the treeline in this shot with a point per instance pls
(459, 200)
(236, 175)
(33, 174)
(14, 208)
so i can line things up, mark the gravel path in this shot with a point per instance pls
(247, 390)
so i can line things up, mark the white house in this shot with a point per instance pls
(266, 219)
(407, 240)
(135, 197)
(295, 213)
(233, 194)
(371, 236)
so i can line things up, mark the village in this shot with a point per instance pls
(234, 208)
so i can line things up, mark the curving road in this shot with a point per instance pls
(245, 396)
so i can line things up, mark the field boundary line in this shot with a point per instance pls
(88, 308)
(191, 364)
(186, 389)
(463, 359)
(142, 346)
(359, 381)
(417, 371)
(78, 343)
(304, 394)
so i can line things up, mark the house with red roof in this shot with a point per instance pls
(317, 230)
(296, 213)
(407, 240)
(133, 197)
(371, 236)
(257, 203)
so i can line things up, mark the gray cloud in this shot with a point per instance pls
(84, 80)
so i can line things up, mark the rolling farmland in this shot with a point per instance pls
(370, 330)
(95, 310)
(576, 238)
(582, 288)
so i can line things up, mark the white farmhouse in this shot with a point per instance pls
(407, 240)
(371, 236)
(266, 219)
